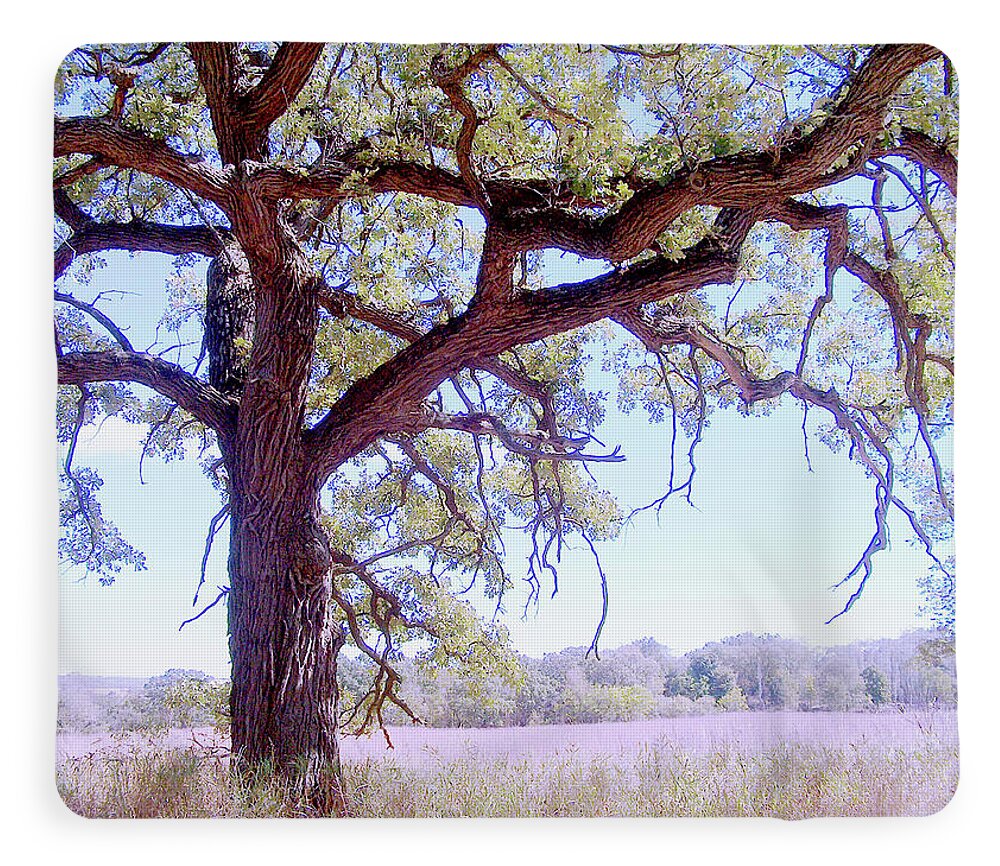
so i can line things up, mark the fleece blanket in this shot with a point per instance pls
(505, 430)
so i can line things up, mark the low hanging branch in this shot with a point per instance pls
(533, 445)
(657, 334)
(387, 679)
(799, 216)
(215, 524)
(84, 505)
(223, 593)
(604, 599)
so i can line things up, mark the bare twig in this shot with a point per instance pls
(223, 592)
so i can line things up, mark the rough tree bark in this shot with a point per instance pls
(284, 645)
(283, 636)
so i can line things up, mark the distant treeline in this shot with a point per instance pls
(639, 680)
(643, 679)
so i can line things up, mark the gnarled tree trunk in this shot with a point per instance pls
(284, 642)
(284, 638)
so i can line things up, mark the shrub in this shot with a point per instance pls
(734, 700)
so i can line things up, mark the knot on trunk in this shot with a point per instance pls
(310, 549)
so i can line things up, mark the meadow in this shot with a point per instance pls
(782, 765)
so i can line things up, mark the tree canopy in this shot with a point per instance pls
(377, 371)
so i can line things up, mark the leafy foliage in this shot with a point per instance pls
(876, 686)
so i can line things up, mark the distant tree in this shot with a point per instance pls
(538, 694)
(838, 680)
(933, 664)
(676, 680)
(769, 669)
(709, 677)
(876, 686)
(582, 702)
(70, 718)
(627, 666)
(734, 700)
(175, 699)
(938, 686)
(651, 649)
(809, 695)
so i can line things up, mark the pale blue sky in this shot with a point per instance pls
(760, 551)
(759, 554)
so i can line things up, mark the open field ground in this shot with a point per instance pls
(787, 765)
(748, 733)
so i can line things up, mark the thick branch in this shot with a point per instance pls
(196, 397)
(573, 305)
(745, 180)
(924, 150)
(532, 444)
(136, 236)
(241, 112)
(68, 210)
(390, 398)
(501, 320)
(340, 303)
(285, 77)
(326, 180)
(451, 83)
(859, 115)
(217, 72)
(114, 144)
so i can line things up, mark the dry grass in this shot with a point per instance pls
(791, 780)
(796, 782)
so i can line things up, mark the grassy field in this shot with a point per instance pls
(784, 765)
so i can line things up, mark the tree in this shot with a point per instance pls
(876, 686)
(708, 676)
(734, 701)
(838, 683)
(768, 669)
(177, 699)
(391, 378)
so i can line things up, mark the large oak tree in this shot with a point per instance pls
(384, 379)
